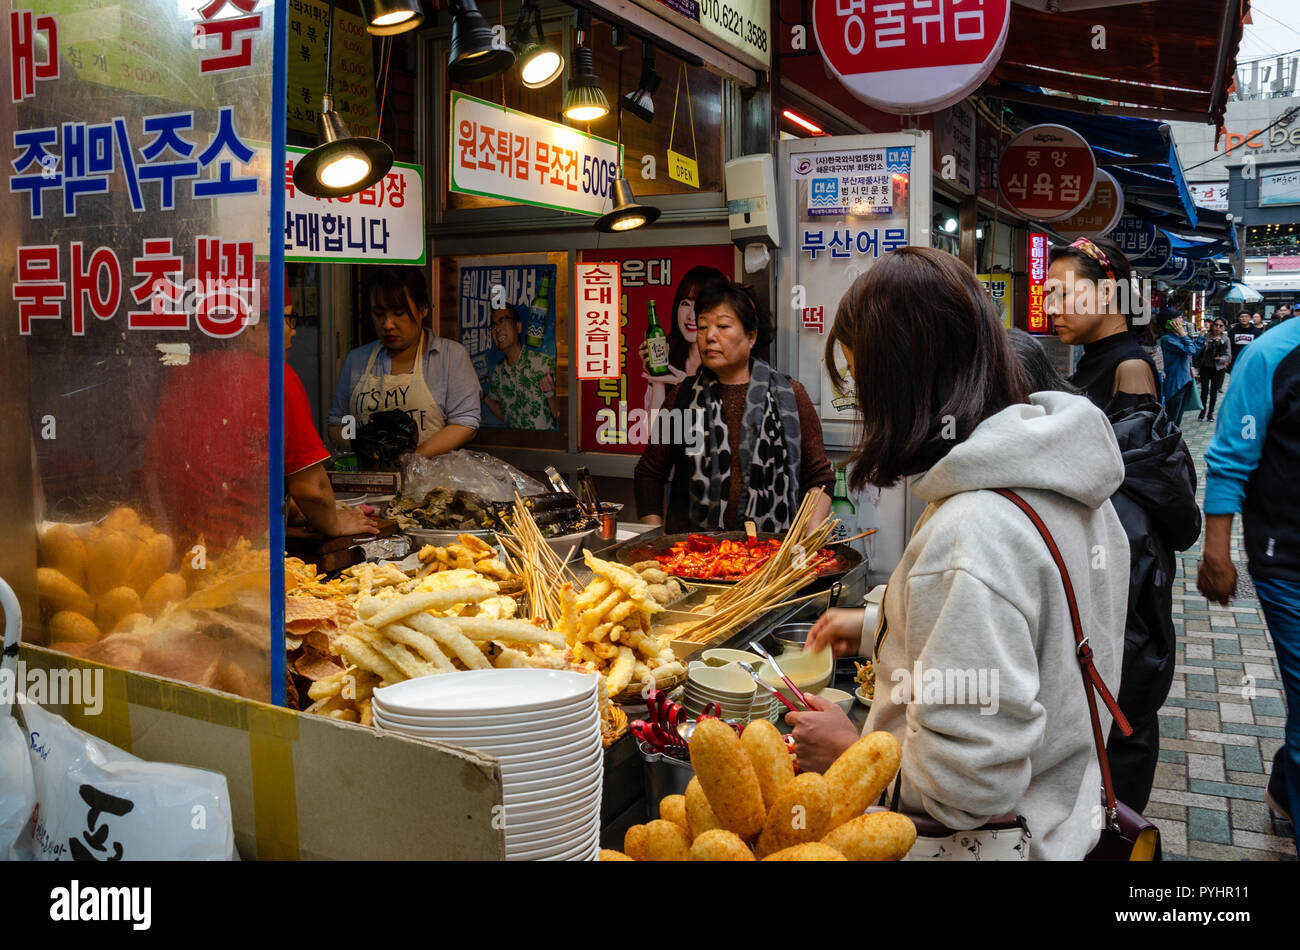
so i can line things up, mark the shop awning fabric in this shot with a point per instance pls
(1166, 59)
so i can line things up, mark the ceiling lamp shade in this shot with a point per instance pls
(540, 63)
(627, 214)
(584, 100)
(388, 17)
(641, 101)
(475, 55)
(343, 163)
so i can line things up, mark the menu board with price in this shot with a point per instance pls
(742, 24)
(353, 70)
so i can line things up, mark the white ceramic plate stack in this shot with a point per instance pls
(729, 686)
(543, 726)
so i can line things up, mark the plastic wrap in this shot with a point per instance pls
(462, 470)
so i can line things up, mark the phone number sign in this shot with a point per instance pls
(500, 153)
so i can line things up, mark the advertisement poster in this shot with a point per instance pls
(615, 412)
(507, 322)
(999, 289)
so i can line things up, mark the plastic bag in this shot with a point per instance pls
(485, 475)
(98, 803)
(17, 792)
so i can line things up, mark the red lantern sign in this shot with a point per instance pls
(1037, 321)
(911, 56)
(1047, 172)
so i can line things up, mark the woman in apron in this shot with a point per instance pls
(408, 368)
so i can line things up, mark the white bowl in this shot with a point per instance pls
(488, 692)
(720, 656)
(522, 721)
(838, 697)
(729, 680)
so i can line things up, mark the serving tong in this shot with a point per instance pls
(667, 729)
(798, 693)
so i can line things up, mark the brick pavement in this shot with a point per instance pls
(1223, 720)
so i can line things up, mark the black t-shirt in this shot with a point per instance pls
(1095, 374)
(1242, 337)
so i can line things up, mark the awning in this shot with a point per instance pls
(1165, 59)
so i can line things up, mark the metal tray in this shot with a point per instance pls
(641, 549)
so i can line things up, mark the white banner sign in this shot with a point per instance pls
(383, 224)
(500, 153)
(1211, 195)
(597, 337)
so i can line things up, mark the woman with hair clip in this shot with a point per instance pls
(754, 445)
(943, 397)
(1088, 296)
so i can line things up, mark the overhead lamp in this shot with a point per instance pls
(584, 100)
(540, 63)
(950, 225)
(342, 163)
(802, 122)
(641, 101)
(389, 17)
(627, 214)
(475, 55)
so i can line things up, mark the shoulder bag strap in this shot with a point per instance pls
(1091, 678)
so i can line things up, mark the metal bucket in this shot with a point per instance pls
(664, 776)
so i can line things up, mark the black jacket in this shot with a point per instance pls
(1157, 506)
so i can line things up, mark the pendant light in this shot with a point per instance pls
(389, 17)
(540, 63)
(343, 163)
(475, 55)
(584, 100)
(626, 214)
(641, 101)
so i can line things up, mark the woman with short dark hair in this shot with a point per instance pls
(976, 592)
(1213, 361)
(760, 450)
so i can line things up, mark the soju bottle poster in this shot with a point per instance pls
(617, 413)
(507, 323)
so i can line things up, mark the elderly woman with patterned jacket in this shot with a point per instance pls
(752, 443)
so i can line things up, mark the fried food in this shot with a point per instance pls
(811, 851)
(606, 854)
(699, 813)
(861, 773)
(666, 841)
(634, 843)
(800, 814)
(727, 778)
(58, 592)
(879, 836)
(771, 760)
(673, 808)
(620, 674)
(718, 844)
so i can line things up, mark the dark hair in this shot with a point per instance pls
(740, 299)
(1041, 374)
(1090, 268)
(389, 284)
(931, 361)
(679, 347)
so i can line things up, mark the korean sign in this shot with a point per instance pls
(353, 68)
(1047, 172)
(596, 342)
(1038, 321)
(1133, 236)
(500, 153)
(384, 223)
(868, 182)
(1099, 215)
(740, 24)
(1280, 186)
(911, 56)
(1211, 195)
(999, 290)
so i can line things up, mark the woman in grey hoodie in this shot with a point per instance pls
(977, 676)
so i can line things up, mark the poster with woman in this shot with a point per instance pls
(618, 413)
(507, 322)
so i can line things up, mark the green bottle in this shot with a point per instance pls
(538, 313)
(656, 344)
(841, 505)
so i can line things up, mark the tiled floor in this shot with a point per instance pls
(1223, 720)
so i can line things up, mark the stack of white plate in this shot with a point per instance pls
(729, 686)
(543, 726)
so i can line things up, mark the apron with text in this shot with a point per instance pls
(408, 392)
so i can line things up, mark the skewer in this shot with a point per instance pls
(859, 537)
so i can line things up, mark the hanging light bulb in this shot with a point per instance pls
(627, 214)
(475, 55)
(641, 101)
(342, 163)
(584, 100)
(388, 17)
(540, 63)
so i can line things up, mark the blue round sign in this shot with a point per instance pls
(1133, 236)
(1157, 256)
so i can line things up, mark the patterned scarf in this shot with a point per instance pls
(770, 451)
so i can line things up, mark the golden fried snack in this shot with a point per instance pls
(423, 600)
(620, 674)
(422, 643)
(800, 814)
(441, 630)
(772, 763)
(666, 841)
(634, 843)
(62, 550)
(647, 565)
(516, 631)
(653, 575)
(607, 854)
(728, 778)
(58, 592)
(720, 845)
(396, 654)
(68, 625)
(593, 593)
(673, 808)
(667, 671)
(879, 836)
(810, 851)
(660, 593)
(861, 773)
(699, 813)
(591, 617)
(362, 655)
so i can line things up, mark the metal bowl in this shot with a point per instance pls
(791, 636)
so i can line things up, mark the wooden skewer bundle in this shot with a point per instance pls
(529, 556)
(785, 573)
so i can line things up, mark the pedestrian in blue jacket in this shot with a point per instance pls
(1178, 349)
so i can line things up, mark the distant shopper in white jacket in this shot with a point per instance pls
(977, 677)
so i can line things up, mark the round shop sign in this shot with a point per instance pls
(1156, 256)
(1047, 172)
(900, 58)
(1099, 215)
(1133, 236)
(1173, 267)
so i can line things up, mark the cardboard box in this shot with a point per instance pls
(303, 787)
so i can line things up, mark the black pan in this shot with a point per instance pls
(637, 550)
